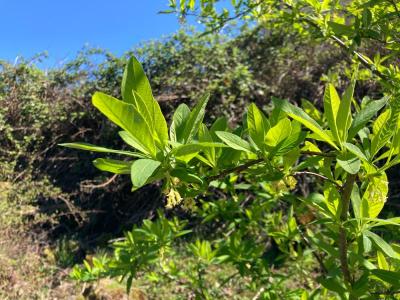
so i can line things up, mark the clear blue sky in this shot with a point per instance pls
(63, 27)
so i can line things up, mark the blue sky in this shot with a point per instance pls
(62, 27)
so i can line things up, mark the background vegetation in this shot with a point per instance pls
(58, 209)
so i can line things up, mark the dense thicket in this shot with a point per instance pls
(41, 108)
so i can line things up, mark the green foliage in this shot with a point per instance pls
(262, 157)
(140, 248)
(267, 226)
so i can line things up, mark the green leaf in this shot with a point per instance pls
(128, 118)
(382, 262)
(151, 113)
(295, 138)
(387, 128)
(234, 141)
(349, 162)
(299, 115)
(195, 119)
(341, 29)
(278, 133)
(382, 245)
(143, 108)
(356, 201)
(257, 124)
(184, 175)
(186, 152)
(380, 121)
(331, 108)
(332, 199)
(374, 197)
(136, 90)
(94, 148)
(344, 119)
(134, 79)
(365, 114)
(178, 124)
(160, 124)
(133, 142)
(142, 170)
(356, 151)
(332, 284)
(205, 136)
(387, 276)
(220, 124)
(113, 166)
(311, 110)
(383, 222)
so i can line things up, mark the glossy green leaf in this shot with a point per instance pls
(94, 148)
(387, 129)
(136, 90)
(332, 284)
(349, 162)
(184, 175)
(133, 142)
(134, 79)
(310, 109)
(390, 277)
(382, 245)
(142, 170)
(151, 112)
(234, 141)
(375, 196)
(332, 199)
(128, 118)
(220, 124)
(113, 166)
(331, 108)
(278, 133)
(195, 119)
(383, 222)
(365, 115)
(382, 262)
(160, 124)
(344, 119)
(257, 125)
(299, 115)
(380, 121)
(205, 136)
(356, 151)
(186, 152)
(356, 201)
(341, 29)
(178, 124)
(295, 138)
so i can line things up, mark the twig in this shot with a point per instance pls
(316, 255)
(72, 209)
(236, 169)
(228, 279)
(344, 265)
(319, 176)
(229, 19)
(343, 45)
(318, 153)
(104, 184)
